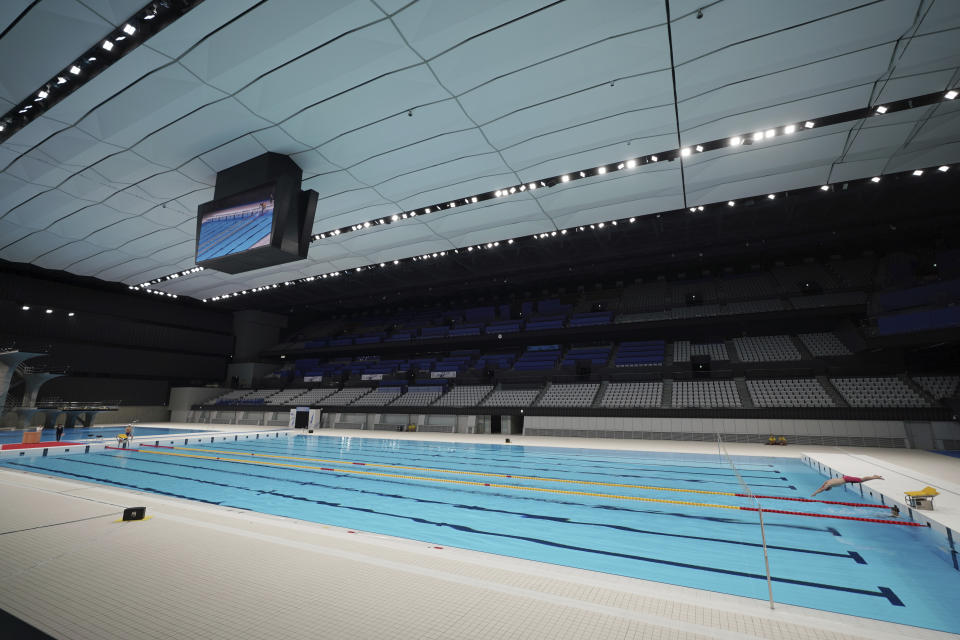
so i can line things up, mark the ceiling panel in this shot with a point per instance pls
(392, 106)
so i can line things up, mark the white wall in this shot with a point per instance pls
(760, 427)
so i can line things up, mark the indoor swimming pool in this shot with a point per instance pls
(672, 518)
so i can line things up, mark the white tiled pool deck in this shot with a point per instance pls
(207, 572)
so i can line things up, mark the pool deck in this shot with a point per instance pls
(203, 571)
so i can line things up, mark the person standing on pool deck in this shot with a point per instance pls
(59, 431)
(837, 482)
(128, 433)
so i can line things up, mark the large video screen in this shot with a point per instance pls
(236, 224)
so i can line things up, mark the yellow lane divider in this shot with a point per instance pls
(458, 472)
(443, 480)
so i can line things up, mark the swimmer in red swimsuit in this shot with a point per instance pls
(837, 482)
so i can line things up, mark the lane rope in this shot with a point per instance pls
(504, 486)
(516, 477)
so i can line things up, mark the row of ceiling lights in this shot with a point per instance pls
(26, 307)
(628, 164)
(536, 236)
(144, 23)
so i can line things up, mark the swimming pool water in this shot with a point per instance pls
(85, 433)
(582, 508)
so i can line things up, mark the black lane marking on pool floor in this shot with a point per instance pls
(570, 462)
(540, 451)
(884, 592)
(535, 458)
(526, 470)
(201, 464)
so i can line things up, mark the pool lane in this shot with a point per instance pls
(818, 564)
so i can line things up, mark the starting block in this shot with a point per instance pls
(922, 499)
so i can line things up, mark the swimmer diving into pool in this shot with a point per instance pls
(838, 482)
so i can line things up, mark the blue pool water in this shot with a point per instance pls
(882, 571)
(85, 433)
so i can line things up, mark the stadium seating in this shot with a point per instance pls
(878, 392)
(419, 396)
(344, 396)
(705, 393)
(683, 349)
(644, 353)
(801, 392)
(766, 349)
(939, 386)
(511, 398)
(379, 397)
(464, 396)
(569, 395)
(632, 394)
(824, 344)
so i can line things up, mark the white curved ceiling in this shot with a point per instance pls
(107, 182)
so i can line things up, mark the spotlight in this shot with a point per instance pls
(582, 175)
(653, 158)
(394, 217)
(564, 178)
(631, 164)
(366, 225)
(693, 209)
(523, 187)
(107, 45)
(563, 232)
(513, 189)
(736, 141)
(49, 310)
(881, 109)
(918, 172)
(685, 152)
(943, 168)
(601, 170)
(790, 128)
(950, 95)
(808, 124)
(757, 137)
(510, 241)
(396, 262)
(473, 199)
(25, 308)
(825, 187)
(129, 29)
(769, 133)
(633, 219)
(875, 179)
(730, 203)
(771, 196)
(42, 94)
(75, 70)
(699, 148)
(497, 193)
(531, 186)
(700, 208)
(427, 210)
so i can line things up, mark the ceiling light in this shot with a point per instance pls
(563, 232)
(427, 210)
(532, 186)
(730, 203)
(875, 179)
(771, 195)
(396, 262)
(769, 133)
(756, 137)
(653, 158)
(699, 148)
(513, 189)
(881, 109)
(633, 219)
(918, 172)
(564, 178)
(943, 168)
(497, 193)
(92, 59)
(790, 128)
(602, 170)
(366, 225)
(824, 187)
(42, 94)
(510, 241)
(473, 199)
(950, 95)
(583, 175)
(452, 205)
(631, 164)
(75, 70)
(693, 209)
(129, 29)
(523, 187)
(25, 308)
(49, 310)
(700, 208)
(107, 45)
(120, 38)
(808, 124)
(736, 141)
(394, 217)
(685, 152)
(554, 233)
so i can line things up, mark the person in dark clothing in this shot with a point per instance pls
(59, 432)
